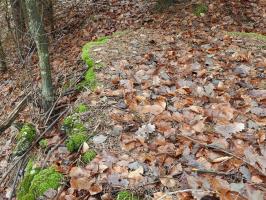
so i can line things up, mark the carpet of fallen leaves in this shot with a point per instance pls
(180, 112)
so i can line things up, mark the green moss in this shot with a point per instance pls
(44, 180)
(29, 196)
(74, 141)
(69, 123)
(90, 77)
(256, 36)
(25, 138)
(81, 108)
(200, 9)
(78, 128)
(24, 185)
(43, 143)
(27, 131)
(88, 156)
(87, 47)
(36, 182)
(125, 195)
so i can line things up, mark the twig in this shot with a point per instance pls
(52, 109)
(34, 143)
(14, 114)
(223, 151)
(182, 191)
(50, 152)
(203, 171)
(15, 180)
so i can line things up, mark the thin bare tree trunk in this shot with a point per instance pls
(18, 16)
(38, 33)
(2, 59)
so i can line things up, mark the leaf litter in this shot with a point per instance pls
(181, 77)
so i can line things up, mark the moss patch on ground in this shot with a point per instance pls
(25, 138)
(43, 143)
(37, 181)
(126, 195)
(88, 156)
(75, 140)
(90, 76)
(81, 108)
(200, 9)
(86, 57)
(251, 35)
(75, 128)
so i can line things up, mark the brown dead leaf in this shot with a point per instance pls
(95, 188)
(153, 109)
(228, 129)
(168, 181)
(220, 112)
(136, 174)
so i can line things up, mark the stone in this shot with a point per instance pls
(242, 70)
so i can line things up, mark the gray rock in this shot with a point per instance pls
(253, 125)
(99, 139)
(164, 75)
(195, 67)
(242, 70)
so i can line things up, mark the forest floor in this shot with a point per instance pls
(179, 109)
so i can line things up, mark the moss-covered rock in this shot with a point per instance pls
(88, 156)
(25, 138)
(24, 186)
(74, 141)
(200, 9)
(125, 195)
(46, 179)
(36, 182)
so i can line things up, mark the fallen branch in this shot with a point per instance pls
(221, 150)
(13, 115)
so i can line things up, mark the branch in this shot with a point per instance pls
(13, 115)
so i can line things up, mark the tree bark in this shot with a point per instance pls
(38, 33)
(2, 59)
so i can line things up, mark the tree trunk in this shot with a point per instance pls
(38, 33)
(18, 16)
(2, 59)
